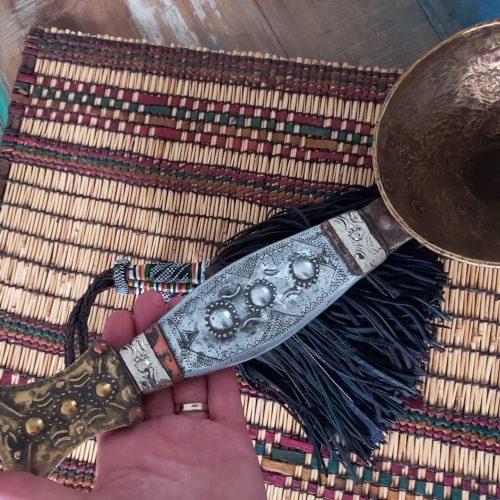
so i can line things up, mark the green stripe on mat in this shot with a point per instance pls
(218, 118)
(419, 486)
(30, 330)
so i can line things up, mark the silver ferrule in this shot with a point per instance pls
(144, 366)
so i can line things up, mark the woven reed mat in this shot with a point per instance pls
(117, 148)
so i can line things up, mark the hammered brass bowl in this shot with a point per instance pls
(437, 147)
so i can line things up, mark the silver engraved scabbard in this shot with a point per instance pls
(261, 300)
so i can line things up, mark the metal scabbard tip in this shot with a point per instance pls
(386, 222)
(34, 426)
(135, 414)
(100, 346)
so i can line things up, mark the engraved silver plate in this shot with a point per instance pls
(261, 300)
(359, 242)
(143, 365)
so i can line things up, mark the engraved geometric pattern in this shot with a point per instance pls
(169, 272)
(226, 329)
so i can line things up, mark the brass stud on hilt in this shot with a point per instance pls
(34, 426)
(103, 389)
(69, 408)
(101, 347)
(135, 414)
(80, 428)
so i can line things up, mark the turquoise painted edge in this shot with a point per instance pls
(4, 104)
(449, 16)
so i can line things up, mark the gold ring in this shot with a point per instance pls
(180, 408)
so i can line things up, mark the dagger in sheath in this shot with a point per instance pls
(239, 313)
(261, 300)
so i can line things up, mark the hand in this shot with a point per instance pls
(188, 456)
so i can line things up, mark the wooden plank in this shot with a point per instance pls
(450, 16)
(385, 32)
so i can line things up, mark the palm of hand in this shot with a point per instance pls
(186, 456)
(179, 457)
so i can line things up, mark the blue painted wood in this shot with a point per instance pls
(4, 104)
(449, 16)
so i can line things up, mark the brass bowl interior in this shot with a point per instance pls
(437, 147)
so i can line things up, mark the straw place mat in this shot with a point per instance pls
(122, 149)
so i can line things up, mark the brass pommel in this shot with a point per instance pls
(41, 422)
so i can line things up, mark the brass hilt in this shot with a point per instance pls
(41, 423)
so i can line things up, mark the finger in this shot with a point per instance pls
(158, 404)
(193, 390)
(148, 308)
(174, 301)
(23, 486)
(119, 329)
(224, 400)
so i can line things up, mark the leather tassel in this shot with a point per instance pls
(344, 375)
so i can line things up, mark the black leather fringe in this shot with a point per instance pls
(343, 375)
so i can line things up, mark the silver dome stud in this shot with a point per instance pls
(304, 270)
(259, 294)
(222, 319)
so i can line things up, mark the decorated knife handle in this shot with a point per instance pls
(41, 423)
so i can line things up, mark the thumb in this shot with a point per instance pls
(26, 486)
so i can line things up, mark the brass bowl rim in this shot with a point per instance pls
(383, 194)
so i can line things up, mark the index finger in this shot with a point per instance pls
(224, 398)
(149, 307)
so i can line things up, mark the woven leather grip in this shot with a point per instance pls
(40, 423)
